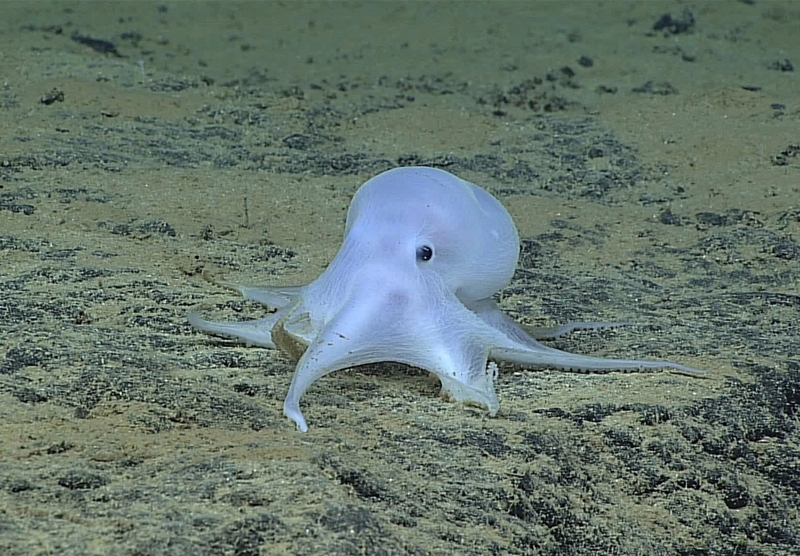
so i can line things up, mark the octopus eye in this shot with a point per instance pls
(424, 253)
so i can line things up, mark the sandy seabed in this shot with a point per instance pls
(649, 153)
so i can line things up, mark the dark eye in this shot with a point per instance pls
(424, 253)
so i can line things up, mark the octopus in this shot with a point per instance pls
(423, 255)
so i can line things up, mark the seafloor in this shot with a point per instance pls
(648, 151)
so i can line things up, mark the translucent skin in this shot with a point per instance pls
(423, 253)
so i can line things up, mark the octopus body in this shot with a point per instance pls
(423, 253)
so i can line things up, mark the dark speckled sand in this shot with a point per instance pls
(148, 149)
